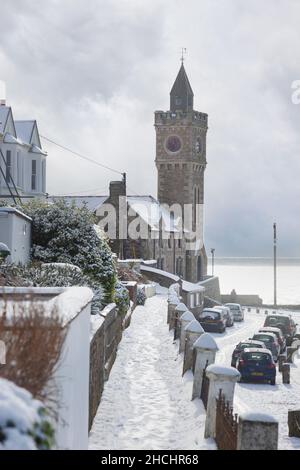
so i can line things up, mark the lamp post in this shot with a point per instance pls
(212, 260)
(275, 262)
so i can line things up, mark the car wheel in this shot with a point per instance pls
(273, 382)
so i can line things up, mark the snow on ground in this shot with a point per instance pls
(146, 404)
(264, 398)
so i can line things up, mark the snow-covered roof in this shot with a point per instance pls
(149, 269)
(4, 112)
(149, 209)
(91, 202)
(191, 287)
(13, 210)
(10, 139)
(36, 149)
(25, 130)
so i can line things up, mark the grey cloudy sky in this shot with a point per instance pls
(92, 72)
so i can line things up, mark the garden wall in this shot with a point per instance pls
(105, 336)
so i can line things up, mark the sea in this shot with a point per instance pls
(256, 276)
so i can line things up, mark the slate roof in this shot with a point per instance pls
(182, 91)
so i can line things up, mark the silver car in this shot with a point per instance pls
(228, 315)
(237, 311)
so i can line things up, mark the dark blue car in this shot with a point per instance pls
(257, 365)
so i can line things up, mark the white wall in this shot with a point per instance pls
(72, 379)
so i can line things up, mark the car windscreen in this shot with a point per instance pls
(277, 321)
(257, 356)
(246, 345)
(210, 315)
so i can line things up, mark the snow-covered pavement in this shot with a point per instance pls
(265, 398)
(146, 404)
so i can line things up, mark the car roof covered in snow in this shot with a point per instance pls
(266, 333)
(252, 341)
(259, 350)
(270, 328)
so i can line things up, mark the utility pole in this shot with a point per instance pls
(212, 261)
(275, 263)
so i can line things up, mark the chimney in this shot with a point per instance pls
(2, 93)
(117, 188)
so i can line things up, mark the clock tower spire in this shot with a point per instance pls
(181, 161)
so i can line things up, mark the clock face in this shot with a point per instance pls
(173, 143)
(198, 145)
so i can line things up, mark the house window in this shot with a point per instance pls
(19, 170)
(169, 242)
(179, 242)
(44, 176)
(178, 101)
(33, 175)
(8, 167)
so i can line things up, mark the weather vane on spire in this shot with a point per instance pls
(183, 52)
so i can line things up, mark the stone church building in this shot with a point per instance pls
(180, 162)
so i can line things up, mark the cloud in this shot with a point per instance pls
(93, 72)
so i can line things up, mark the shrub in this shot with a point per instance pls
(24, 423)
(65, 233)
(34, 339)
(141, 296)
(54, 275)
(121, 298)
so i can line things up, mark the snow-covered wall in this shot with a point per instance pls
(72, 374)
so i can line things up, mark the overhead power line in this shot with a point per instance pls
(84, 157)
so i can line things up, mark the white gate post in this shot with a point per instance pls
(179, 310)
(205, 349)
(223, 378)
(192, 332)
(173, 301)
(186, 318)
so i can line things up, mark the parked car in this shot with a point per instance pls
(257, 365)
(237, 311)
(212, 320)
(277, 331)
(285, 323)
(228, 315)
(250, 343)
(270, 341)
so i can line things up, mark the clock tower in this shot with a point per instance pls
(180, 162)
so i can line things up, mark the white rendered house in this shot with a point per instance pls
(22, 160)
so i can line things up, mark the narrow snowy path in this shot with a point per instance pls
(146, 403)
